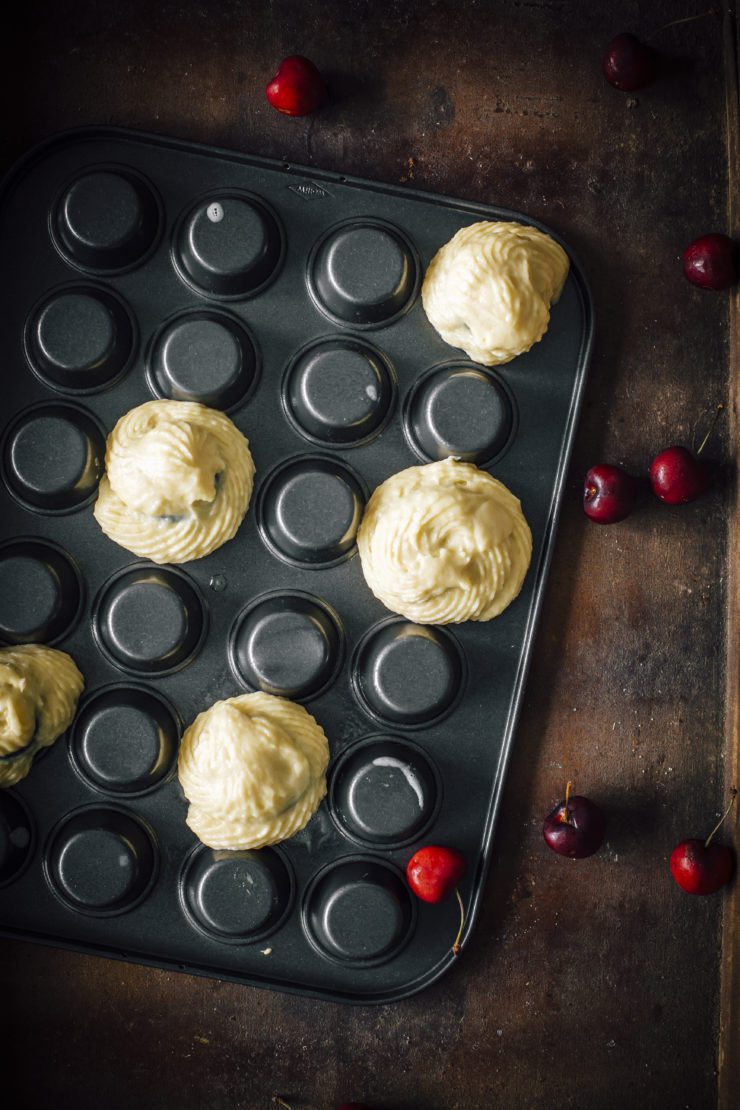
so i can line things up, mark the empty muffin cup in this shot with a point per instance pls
(149, 619)
(17, 836)
(229, 245)
(41, 592)
(364, 273)
(339, 392)
(203, 356)
(309, 510)
(408, 674)
(236, 897)
(125, 740)
(384, 791)
(287, 644)
(461, 410)
(359, 911)
(101, 860)
(80, 339)
(107, 220)
(53, 456)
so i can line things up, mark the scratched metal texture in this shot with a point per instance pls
(590, 984)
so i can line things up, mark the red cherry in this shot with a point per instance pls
(711, 262)
(575, 828)
(433, 873)
(608, 493)
(629, 64)
(677, 476)
(701, 870)
(700, 867)
(297, 89)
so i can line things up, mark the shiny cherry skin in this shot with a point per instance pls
(297, 89)
(677, 476)
(701, 870)
(609, 493)
(711, 262)
(434, 872)
(578, 834)
(629, 64)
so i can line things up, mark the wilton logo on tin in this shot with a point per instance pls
(309, 190)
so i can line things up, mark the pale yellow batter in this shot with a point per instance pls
(254, 771)
(39, 691)
(178, 481)
(489, 289)
(444, 543)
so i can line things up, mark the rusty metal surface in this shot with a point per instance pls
(589, 984)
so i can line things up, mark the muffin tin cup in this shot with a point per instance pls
(206, 356)
(309, 510)
(52, 457)
(359, 911)
(363, 273)
(149, 620)
(41, 592)
(237, 897)
(384, 792)
(101, 860)
(408, 675)
(339, 392)
(229, 245)
(80, 339)
(287, 643)
(107, 220)
(17, 836)
(461, 410)
(125, 739)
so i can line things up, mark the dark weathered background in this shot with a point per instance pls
(593, 984)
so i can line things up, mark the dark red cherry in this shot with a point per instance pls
(608, 493)
(711, 262)
(629, 64)
(701, 867)
(701, 870)
(677, 476)
(575, 828)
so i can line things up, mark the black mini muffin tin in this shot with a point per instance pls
(137, 267)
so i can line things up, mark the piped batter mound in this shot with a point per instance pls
(490, 288)
(178, 481)
(39, 691)
(444, 543)
(254, 771)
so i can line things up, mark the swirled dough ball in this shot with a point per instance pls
(39, 691)
(489, 289)
(178, 481)
(254, 771)
(444, 543)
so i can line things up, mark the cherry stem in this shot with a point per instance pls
(280, 1102)
(566, 815)
(456, 945)
(712, 426)
(686, 19)
(724, 815)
